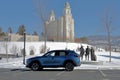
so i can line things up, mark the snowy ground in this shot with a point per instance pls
(102, 58)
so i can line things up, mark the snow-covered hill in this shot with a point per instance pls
(17, 47)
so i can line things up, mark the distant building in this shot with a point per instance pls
(17, 38)
(61, 30)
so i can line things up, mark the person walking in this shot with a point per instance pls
(87, 53)
(81, 52)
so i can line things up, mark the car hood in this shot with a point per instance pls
(34, 57)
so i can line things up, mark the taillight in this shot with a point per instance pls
(75, 55)
(78, 56)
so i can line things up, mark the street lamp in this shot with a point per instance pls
(24, 53)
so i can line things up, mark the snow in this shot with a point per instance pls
(101, 63)
(101, 57)
(16, 47)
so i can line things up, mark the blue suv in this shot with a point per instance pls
(55, 58)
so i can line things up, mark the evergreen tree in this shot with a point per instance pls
(21, 30)
(35, 33)
(10, 30)
(1, 32)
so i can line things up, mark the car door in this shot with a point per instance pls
(47, 60)
(59, 58)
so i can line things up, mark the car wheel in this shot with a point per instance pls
(69, 66)
(35, 66)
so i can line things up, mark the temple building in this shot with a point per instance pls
(62, 29)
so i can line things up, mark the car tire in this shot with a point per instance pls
(35, 66)
(69, 66)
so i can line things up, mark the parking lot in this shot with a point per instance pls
(58, 74)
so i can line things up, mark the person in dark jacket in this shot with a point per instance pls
(81, 52)
(87, 53)
(93, 56)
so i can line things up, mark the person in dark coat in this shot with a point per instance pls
(93, 56)
(87, 53)
(81, 52)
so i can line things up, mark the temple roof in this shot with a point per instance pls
(52, 12)
(67, 5)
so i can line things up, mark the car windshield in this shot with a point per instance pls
(49, 54)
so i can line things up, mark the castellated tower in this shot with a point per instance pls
(61, 30)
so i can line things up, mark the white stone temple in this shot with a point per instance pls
(62, 29)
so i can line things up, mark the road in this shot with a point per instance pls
(58, 74)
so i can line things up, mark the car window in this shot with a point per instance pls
(50, 54)
(62, 53)
(57, 53)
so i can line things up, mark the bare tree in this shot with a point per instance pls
(42, 14)
(107, 22)
(5, 45)
(14, 50)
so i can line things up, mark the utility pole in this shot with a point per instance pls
(24, 53)
(45, 36)
(6, 46)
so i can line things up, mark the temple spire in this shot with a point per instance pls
(67, 5)
(52, 16)
(67, 9)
